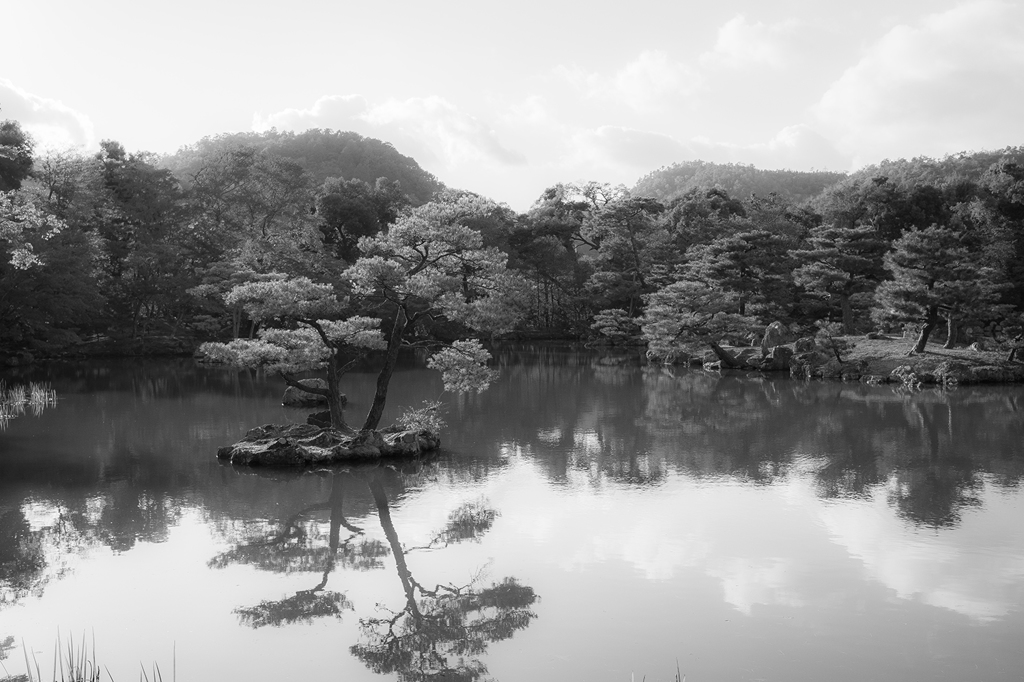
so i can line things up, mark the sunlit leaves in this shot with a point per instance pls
(22, 220)
(428, 417)
(687, 313)
(356, 331)
(281, 297)
(463, 366)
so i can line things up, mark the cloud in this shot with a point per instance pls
(795, 147)
(742, 44)
(50, 122)
(460, 136)
(430, 129)
(637, 149)
(953, 82)
(649, 82)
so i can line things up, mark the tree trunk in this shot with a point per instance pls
(334, 396)
(844, 304)
(950, 332)
(384, 378)
(725, 356)
(926, 330)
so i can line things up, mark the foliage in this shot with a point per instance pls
(427, 417)
(935, 275)
(322, 154)
(463, 366)
(829, 337)
(752, 268)
(23, 221)
(686, 314)
(841, 263)
(16, 150)
(616, 325)
(738, 180)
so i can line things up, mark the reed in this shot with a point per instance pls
(71, 663)
(77, 663)
(41, 394)
(14, 399)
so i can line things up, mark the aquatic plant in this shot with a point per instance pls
(76, 663)
(15, 398)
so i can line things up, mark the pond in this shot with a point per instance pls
(588, 518)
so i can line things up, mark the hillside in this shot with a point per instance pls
(739, 180)
(323, 153)
(923, 170)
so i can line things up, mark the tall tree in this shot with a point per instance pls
(935, 277)
(628, 241)
(753, 267)
(688, 314)
(431, 265)
(427, 267)
(841, 263)
(15, 155)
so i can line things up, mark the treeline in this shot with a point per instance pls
(738, 180)
(128, 247)
(122, 249)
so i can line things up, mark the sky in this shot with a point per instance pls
(508, 99)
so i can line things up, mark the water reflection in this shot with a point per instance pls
(635, 425)
(808, 518)
(440, 632)
(297, 546)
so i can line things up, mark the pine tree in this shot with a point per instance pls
(842, 262)
(936, 276)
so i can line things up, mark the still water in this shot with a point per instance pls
(585, 520)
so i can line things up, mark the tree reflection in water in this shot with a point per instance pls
(440, 633)
(293, 547)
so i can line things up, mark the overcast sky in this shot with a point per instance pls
(508, 99)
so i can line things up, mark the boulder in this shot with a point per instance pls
(805, 345)
(305, 445)
(294, 397)
(748, 357)
(321, 419)
(774, 335)
(802, 365)
(833, 369)
(952, 373)
(977, 347)
(777, 360)
(910, 377)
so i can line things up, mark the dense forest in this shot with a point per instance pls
(128, 252)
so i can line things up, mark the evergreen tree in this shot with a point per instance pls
(686, 314)
(752, 267)
(841, 263)
(15, 155)
(935, 277)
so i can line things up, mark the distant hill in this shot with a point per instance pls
(923, 170)
(739, 180)
(323, 153)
